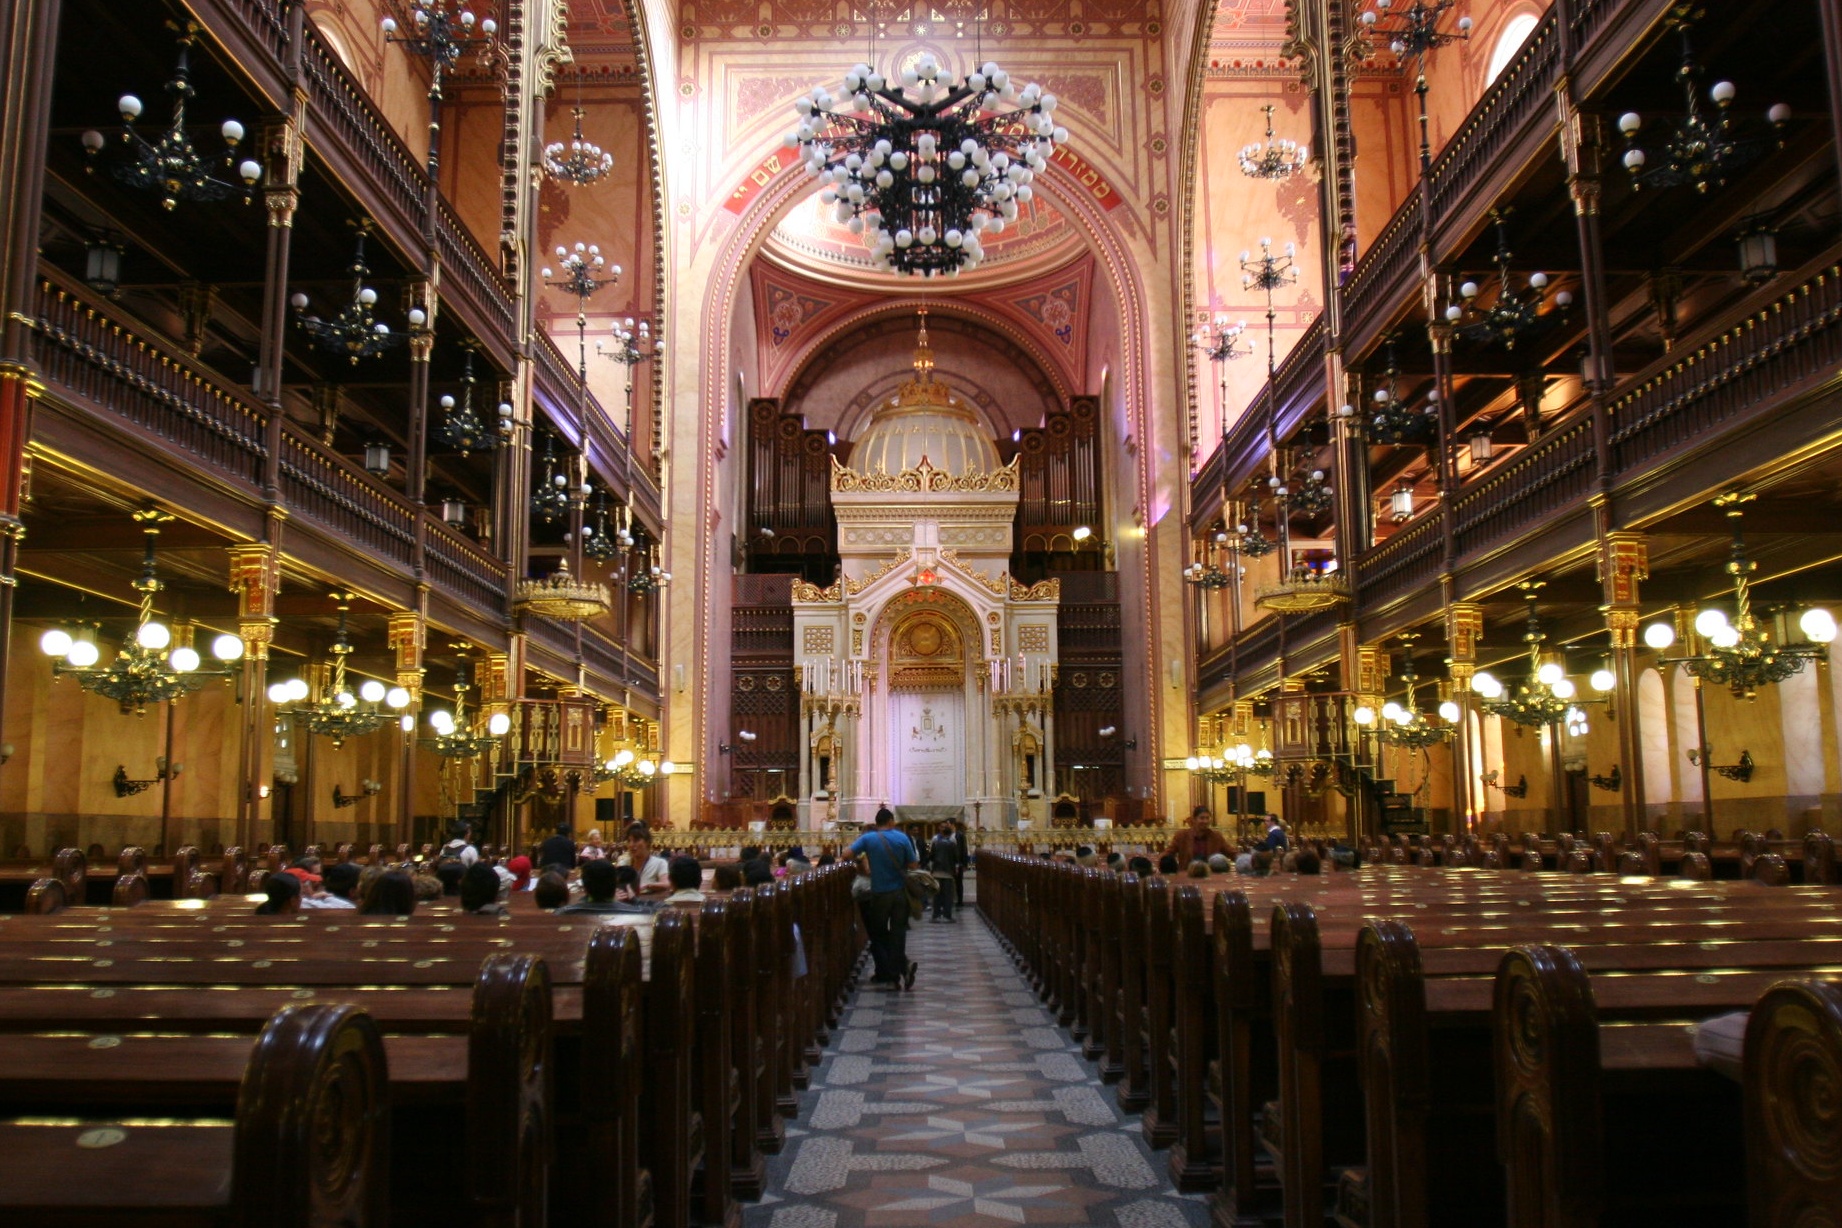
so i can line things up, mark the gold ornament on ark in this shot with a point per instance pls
(922, 479)
(1302, 591)
(806, 591)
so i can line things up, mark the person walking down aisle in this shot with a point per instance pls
(962, 1105)
(943, 860)
(884, 856)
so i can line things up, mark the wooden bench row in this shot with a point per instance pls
(616, 1097)
(1256, 1025)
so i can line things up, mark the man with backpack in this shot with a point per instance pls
(458, 850)
(884, 856)
(943, 860)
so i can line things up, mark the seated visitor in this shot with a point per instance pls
(392, 895)
(337, 884)
(1263, 863)
(1084, 857)
(825, 859)
(599, 882)
(1307, 863)
(1275, 837)
(1198, 869)
(479, 891)
(558, 849)
(459, 846)
(1116, 862)
(1167, 864)
(649, 865)
(1140, 866)
(551, 891)
(1201, 841)
(517, 873)
(686, 876)
(450, 872)
(593, 847)
(756, 873)
(728, 878)
(284, 896)
(1219, 864)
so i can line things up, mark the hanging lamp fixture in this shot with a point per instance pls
(355, 331)
(923, 167)
(577, 161)
(1272, 158)
(171, 165)
(1513, 315)
(461, 426)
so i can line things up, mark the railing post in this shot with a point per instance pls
(1624, 561)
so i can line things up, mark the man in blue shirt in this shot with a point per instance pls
(885, 856)
(1275, 839)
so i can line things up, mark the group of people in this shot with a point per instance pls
(892, 889)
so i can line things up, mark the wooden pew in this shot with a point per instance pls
(1793, 1060)
(308, 1145)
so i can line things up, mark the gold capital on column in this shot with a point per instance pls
(1464, 626)
(1624, 561)
(255, 577)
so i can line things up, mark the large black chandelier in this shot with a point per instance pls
(1390, 419)
(581, 277)
(461, 426)
(172, 165)
(355, 332)
(1514, 315)
(150, 668)
(1702, 149)
(550, 502)
(1312, 495)
(341, 714)
(600, 541)
(1273, 159)
(1249, 539)
(578, 160)
(1205, 573)
(440, 36)
(1412, 30)
(647, 576)
(924, 167)
(1740, 654)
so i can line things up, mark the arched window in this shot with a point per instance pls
(1515, 33)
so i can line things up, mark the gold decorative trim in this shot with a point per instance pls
(923, 479)
(808, 592)
(1046, 590)
(1303, 592)
(992, 584)
(853, 587)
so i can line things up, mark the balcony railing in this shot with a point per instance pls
(1409, 559)
(346, 113)
(333, 492)
(1387, 267)
(1791, 339)
(1524, 89)
(95, 360)
(460, 568)
(471, 272)
(1548, 477)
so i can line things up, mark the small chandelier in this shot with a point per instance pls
(1390, 420)
(456, 736)
(630, 772)
(1405, 724)
(1205, 574)
(1271, 159)
(926, 168)
(577, 161)
(561, 596)
(1223, 344)
(461, 427)
(172, 166)
(441, 38)
(1546, 696)
(1514, 315)
(550, 501)
(1235, 763)
(1702, 149)
(340, 714)
(599, 542)
(633, 345)
(1740, 654)
(1313, 496)
(580, 267)
(1253, 543)
(649, 576)
(144, 671)
(355, 332)
(1412, 32)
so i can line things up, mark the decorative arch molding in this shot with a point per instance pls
(874, 322)
(905, 603)
(1132, 378)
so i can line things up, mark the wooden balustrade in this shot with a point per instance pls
(459, 567)
(1382, 276)
(343, 111)
(91, 359)
(1522, 92)
(328, 489)
(1298, 382)
(468, 270)
(1409, 558)
(1545, 478)
(1701, 387)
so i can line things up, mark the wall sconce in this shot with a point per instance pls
(742, 735)
(453, 513)
(1400, 503)
(288, 777)
(342, 799)
(162, 771)
(102, 265)
(377, 459)
(1758, 254)
(1519, 789)
(6, 751)
(1741, 771)
(1610, 784)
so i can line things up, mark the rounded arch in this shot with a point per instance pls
(1118, 272)
(1505, 36)
(941, 602)
(825, 348)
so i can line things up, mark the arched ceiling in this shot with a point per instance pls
(810, 237)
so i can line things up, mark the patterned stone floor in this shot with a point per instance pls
(961, 1105)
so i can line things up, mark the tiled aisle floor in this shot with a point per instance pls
(961, 1105)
